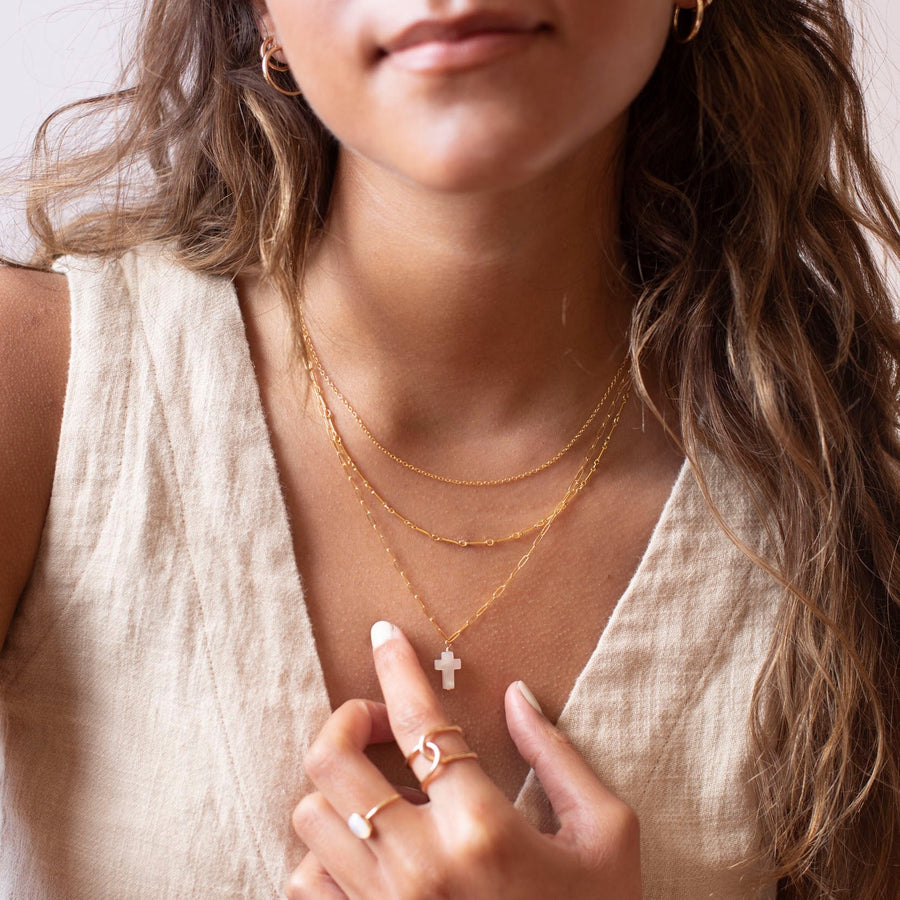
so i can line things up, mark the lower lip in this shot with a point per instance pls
(437, 57)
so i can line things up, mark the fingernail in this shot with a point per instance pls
(382, 632)
(413, 795)
(525, 691)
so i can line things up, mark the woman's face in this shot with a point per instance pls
(464, 95)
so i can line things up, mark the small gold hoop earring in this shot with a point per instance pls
(267, 52)
(698, 22)
(271, 44)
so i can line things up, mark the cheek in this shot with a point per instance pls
(319, 40)
(322, 43)
(624, 44)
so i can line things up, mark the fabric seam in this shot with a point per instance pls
(206, 641)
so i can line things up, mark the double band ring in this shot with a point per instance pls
(362, 826)
(427, 747)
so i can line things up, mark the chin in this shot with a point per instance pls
(469, 163)
(457, 175)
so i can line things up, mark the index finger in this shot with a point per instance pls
(414, 712)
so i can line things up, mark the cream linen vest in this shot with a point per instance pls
(160, 682)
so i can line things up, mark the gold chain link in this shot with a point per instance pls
(582, 477)
(617, 384)
(313, 358)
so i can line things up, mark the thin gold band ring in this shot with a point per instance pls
(362, 826)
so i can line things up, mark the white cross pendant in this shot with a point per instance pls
(447, 665)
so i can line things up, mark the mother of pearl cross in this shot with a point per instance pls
(447, 666)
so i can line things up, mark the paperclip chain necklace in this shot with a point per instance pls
(617, 382)
(449, 663)
(313, 358)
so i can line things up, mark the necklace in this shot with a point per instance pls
(617, 383)
(448, 663)
(313, 358)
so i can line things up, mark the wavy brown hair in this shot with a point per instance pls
(749, 205)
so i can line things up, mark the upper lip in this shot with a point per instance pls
(459, 28)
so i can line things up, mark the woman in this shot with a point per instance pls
(546, 330)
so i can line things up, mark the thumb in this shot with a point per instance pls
(580, 800)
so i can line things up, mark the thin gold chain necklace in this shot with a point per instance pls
(313, 358)
(615, 385)
(448, 663)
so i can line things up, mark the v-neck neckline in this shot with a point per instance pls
(282, 528)
(621, 615)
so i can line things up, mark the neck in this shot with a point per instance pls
(506, 298)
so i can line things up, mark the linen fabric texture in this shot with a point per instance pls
(160, 683)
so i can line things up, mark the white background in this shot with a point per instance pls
(54, 51)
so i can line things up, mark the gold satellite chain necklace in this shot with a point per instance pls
(615, 384)
(449, 663)
(313, 358)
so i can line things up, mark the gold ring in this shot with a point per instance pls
(432, 752)
(426, 742)
(433, 772)
(362, 826)
(428, 749)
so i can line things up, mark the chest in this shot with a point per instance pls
(359, 564)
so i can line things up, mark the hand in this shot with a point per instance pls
(468, 842)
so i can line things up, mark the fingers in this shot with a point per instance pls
(414, 710)
(311, 881)
(336, 761)
(411, 795)
(584, 806)
(348, 860)
(339, 768)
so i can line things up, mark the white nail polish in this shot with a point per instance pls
(381, 632)
(525, 691)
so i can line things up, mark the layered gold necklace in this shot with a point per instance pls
(446, 479)
(613, 400)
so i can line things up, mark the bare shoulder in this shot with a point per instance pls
(34, 360)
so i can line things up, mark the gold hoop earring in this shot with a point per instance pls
(698, 22)
(267, 51)
(271, 44)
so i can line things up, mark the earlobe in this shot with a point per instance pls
(270, 44)
(263, 20)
